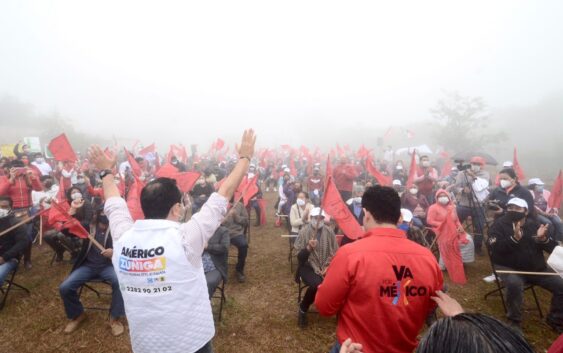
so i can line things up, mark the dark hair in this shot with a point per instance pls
(424, 156)
(17, 163)
(383, 203)
(510, 172)
(472, 333)
(7, 198)
(139, 159)
(69, 192)
(38, 155)
(158, 197)
(45, 177)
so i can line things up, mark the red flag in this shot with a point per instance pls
(412, 170)
(135, 168)
(556, 192)
(388, 133)
(383, 180)
(149, 149)
(337, 209)
(134, 200)
(250, 191)
(262, 205)
(341, 152)
(60, 219)
(517, 168)
(363, 152)
(61, 149)
(447, 167)
(219, 144)
(448, 243)
(292, 169)
(185, 180)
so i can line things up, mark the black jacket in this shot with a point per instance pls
(13, 243)
(86, 245)
(519, 191)
(218, 248)
(523, 255)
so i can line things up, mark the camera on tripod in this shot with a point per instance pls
(461, 165)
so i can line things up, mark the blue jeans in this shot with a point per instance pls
(7, 268)
(83, 274)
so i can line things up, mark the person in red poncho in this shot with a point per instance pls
(442, 218)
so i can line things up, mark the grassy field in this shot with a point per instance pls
(260, 315)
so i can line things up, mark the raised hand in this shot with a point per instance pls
(97, 156)
(246, 148)
(448, 305)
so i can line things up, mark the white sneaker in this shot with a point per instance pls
(490, 279)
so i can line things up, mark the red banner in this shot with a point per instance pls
(61, 149)
(337, 209)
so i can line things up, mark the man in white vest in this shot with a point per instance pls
(158, 260)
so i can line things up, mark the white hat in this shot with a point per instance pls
(286, 170)
(316, 168)
(518, 202)
(252, 165)
(535, 181)
(407, 215)
(317, 212)
(399, 167)
(397, 182)
(284, 166)
(508, 164)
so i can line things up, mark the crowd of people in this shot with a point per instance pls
(417, 222)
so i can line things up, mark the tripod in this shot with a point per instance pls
(478, 218)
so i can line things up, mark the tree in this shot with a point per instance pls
(462, 123)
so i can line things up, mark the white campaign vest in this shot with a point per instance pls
(166, 298)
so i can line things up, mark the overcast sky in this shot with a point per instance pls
(208, 68)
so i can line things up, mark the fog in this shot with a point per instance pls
(311, 72)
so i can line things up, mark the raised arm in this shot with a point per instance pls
(246, 150)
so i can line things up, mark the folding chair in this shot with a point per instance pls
(500, 286)
(10, 284)
(220, 294)
(90, 286)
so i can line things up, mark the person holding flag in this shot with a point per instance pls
(158, 260)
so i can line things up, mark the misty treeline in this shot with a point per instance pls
(455, 122)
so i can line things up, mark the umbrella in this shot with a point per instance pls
(421, 149)
(466, 156)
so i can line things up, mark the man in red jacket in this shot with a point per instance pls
(344, 175)
(381, 285)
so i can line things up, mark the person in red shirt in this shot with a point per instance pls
(425, 178)
(344, 175)
(381, 285)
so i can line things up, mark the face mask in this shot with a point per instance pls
(443, 200)
(317, 223)
(250, 175)
(399, 167)
(174, 162)
(515, 216)
(39, 160)
(4, 213)
(476, 168)
(404, 226)
(539, 188)
(413, 191)
(300, 202)
(80, 181)
(426, 164)
(357, 200)
(505, 184)
(76, 196)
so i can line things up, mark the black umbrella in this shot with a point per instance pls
(466, 156)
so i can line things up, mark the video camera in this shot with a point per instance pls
(461, 165)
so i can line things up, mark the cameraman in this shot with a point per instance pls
(471, 187)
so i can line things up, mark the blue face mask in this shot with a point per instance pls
(404, 226)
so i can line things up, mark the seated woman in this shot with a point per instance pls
(81, 210)
(315, 246)
(300, 212)
(442, 218)
(417, 204)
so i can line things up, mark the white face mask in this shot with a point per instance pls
(39, 160)
(539, 188)
(250, 175)
(300, 202)
(426, 164)
(505, 184)
(399, 167)
(476, 168)
(76, 196)
(317, 223)
(4, 213)
(443, 200)
(413, 191)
